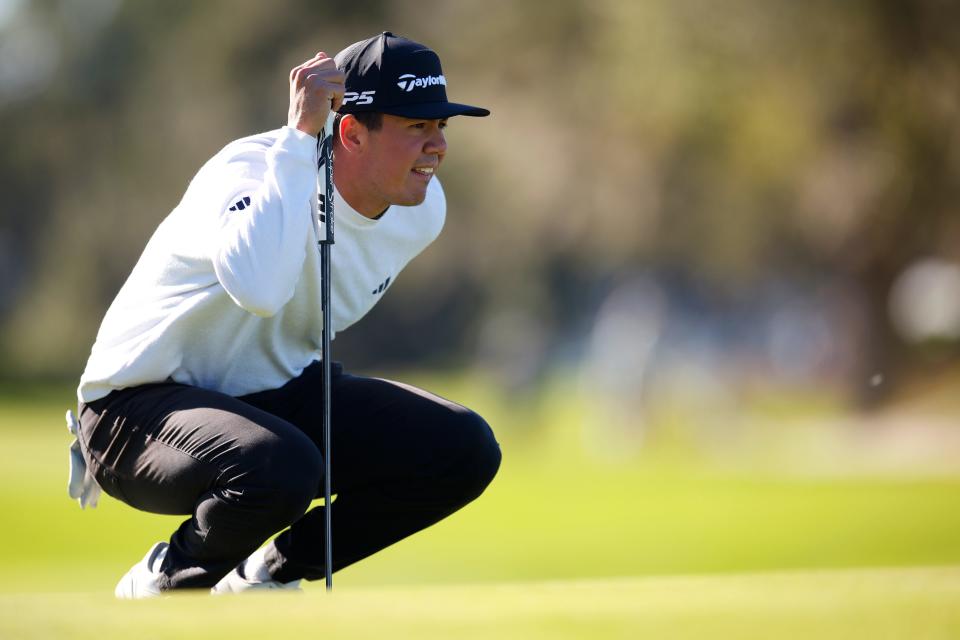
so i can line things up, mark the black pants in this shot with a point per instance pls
(245, 468)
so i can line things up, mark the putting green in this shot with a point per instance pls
(750, 552)
(876, 603)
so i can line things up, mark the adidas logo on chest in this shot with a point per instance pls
(383, 287)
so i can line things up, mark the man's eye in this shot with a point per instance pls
(443, 124)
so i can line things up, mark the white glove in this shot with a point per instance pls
(82, 485)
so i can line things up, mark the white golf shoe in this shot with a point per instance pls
(252, 573)
(141, 580)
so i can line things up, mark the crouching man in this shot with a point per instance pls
(201, 395)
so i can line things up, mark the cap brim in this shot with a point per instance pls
(435, 110)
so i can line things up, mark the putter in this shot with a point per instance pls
(325, 241)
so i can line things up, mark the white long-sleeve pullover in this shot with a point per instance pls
(226, 295)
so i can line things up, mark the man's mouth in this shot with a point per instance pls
(426, 172)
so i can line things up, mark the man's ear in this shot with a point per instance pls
(353, 135)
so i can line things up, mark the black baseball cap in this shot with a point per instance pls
(391, 74)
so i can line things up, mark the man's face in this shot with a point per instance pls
(401, 158)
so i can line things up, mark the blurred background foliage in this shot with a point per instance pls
(673, 202)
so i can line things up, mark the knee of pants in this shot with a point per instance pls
(480, 458)
(288, 473)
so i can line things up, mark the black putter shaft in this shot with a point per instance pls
(326, 241)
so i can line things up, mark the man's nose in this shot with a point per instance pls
(437, 143)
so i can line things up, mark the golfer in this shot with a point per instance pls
(202, 393)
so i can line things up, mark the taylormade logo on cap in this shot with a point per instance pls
(408, 81)
(382, 72)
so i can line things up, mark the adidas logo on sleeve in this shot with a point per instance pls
(241, 204)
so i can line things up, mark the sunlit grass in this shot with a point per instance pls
(905, 603)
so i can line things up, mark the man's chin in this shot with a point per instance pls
(411, 200)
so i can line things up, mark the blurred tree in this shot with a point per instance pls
(910, 102)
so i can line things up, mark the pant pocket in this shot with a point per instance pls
(108, 480)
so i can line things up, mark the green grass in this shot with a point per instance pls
(876, 604)
(666, 545)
